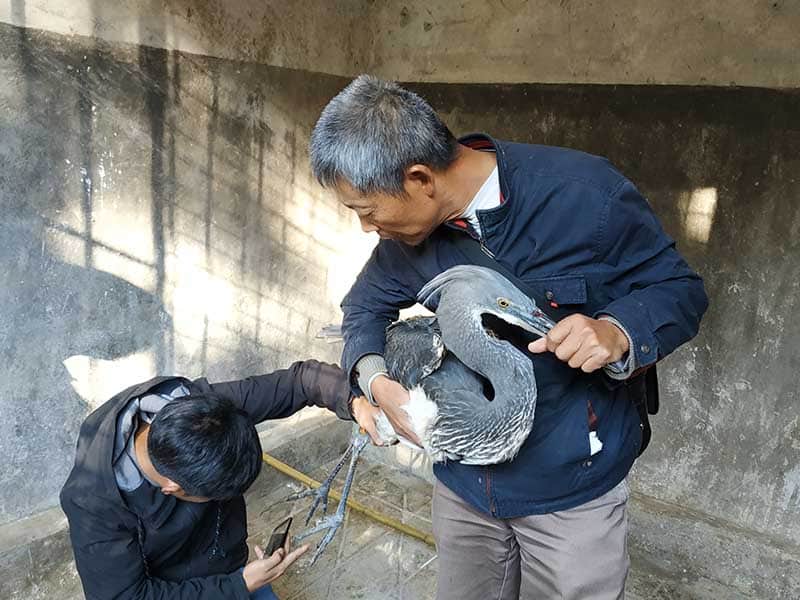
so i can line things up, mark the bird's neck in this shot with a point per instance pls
(508, 370)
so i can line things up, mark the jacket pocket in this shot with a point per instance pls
(559, 296)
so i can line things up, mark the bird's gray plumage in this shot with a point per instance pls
(445, 361)
(468, 426)
(414, 349)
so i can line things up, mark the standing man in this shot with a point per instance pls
(154, 501)
(552, 523)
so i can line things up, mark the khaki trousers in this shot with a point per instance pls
(580, 553)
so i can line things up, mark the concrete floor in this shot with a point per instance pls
(368, 561)
(365, 559)
(676, 553)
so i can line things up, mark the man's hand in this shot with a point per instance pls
(263, 570)
(584, 343)
(391, 396)
(365, 414)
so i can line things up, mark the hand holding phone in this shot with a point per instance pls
(278, 537)
(271, 564)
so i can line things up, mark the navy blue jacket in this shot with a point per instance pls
(582, 236)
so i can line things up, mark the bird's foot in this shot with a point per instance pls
(331, 523)
(320, 494)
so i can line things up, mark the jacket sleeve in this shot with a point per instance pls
(372, 304)
(110, 564)
(284, 392)
(663, 298)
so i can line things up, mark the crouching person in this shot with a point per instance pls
(154, 500)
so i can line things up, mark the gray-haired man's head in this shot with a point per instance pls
(385, 153)
(372, 131)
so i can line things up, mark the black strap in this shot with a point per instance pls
(478, 255)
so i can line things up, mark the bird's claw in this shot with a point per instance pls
(331, 523)
(320, 494)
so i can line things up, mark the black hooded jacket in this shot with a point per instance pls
(167, 548)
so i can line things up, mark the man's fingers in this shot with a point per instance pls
(372, 432)
(583, 343)
(399, 421)
(294, 555)
(587, 351)
(560, 332)
(538, 346)
(593, 363)
(259, 552)
(568, 347)
(365, 415)
(273, 560)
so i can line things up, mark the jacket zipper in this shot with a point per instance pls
(486, 251)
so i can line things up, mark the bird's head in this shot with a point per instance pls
(488, 291)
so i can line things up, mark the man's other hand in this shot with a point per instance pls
(583, 343)
(266, 569)
(391, 397)
(365, 414)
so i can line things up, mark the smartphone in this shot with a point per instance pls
(278, 537)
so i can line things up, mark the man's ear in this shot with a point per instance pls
(420, 178)
(170, 488)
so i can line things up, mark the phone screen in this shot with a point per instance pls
(278, 537)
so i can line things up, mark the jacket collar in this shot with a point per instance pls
(491, 217)
(97, 456)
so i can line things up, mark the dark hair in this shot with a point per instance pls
(206, 445)
(372, 131)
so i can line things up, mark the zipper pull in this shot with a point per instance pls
(486, 251)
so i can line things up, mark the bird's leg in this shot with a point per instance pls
(334, 521)
(321, 493)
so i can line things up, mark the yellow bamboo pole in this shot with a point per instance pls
(352, 504)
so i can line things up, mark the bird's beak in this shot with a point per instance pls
(536, 321)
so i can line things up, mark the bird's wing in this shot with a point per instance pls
(414, 350)
(467, 428)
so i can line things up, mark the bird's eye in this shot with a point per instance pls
(503, 303)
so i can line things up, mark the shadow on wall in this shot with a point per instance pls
(152, 222)
(57, 318)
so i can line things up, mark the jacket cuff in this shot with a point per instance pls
(239, 585)
(629, 361)
(368, 368)
(357, 347)
(632, 315)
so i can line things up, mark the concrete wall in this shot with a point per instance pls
(157, 216)
(302, 34)
(711, 42)
(721, 168)
(158, 213)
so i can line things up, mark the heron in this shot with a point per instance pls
(472, 390)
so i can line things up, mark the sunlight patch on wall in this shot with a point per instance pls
(196, 293)
(96, 380)
(354, 248)
(697, 212)
(125, 224)
(124, 262)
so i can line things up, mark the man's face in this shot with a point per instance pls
(410, 219)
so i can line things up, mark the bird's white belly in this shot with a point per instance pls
(421, 415)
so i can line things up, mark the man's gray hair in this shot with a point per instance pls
(372, 131)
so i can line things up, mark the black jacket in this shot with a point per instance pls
(165, 550)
